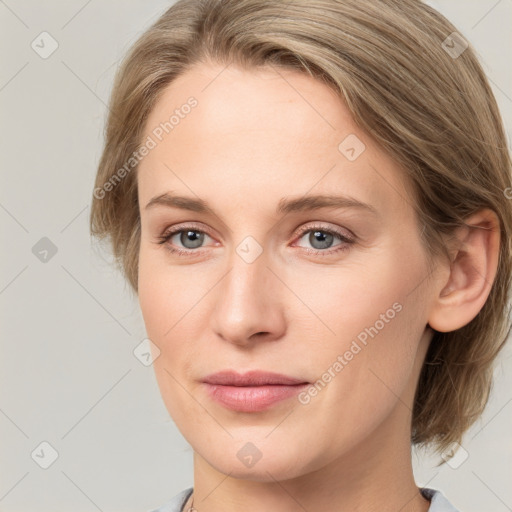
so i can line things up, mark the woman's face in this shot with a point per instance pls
(272, 278)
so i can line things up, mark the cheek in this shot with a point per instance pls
(173, 301)
(154, 302)
(345, 301)
(165, 294)
(371, 315)
(166, 302)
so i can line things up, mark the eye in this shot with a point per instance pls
(189, 237)
(322, 238)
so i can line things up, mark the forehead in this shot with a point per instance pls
(267, 132)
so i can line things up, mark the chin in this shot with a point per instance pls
(261, 461)
(262, 471)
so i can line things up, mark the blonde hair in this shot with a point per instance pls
(429, 106)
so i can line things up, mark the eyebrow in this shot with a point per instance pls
(305, 203)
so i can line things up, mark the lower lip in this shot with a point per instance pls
(252, 398)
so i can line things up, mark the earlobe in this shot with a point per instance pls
(461, 296)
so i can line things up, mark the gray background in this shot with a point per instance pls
(70, 323)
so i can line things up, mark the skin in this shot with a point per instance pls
(257, 136)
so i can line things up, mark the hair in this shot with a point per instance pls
(431, 110)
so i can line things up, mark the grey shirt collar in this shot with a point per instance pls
(438, 503)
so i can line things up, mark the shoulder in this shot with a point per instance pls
(176, 503)
(438, 503)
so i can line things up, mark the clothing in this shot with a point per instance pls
(438, 503)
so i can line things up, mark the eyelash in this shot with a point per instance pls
(168, 234)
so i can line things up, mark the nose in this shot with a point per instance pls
(248, 305)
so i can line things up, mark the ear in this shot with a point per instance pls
(474, 262)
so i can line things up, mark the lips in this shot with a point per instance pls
(253, 391)
(252, 378)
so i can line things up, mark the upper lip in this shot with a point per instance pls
(251, 378)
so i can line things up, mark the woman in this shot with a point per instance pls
(310, 200)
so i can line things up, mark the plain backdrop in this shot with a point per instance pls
(69, 378)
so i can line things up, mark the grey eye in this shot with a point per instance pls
(191, 239)
(324, 239)
(319, 239)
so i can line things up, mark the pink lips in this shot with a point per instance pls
(253, 391)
